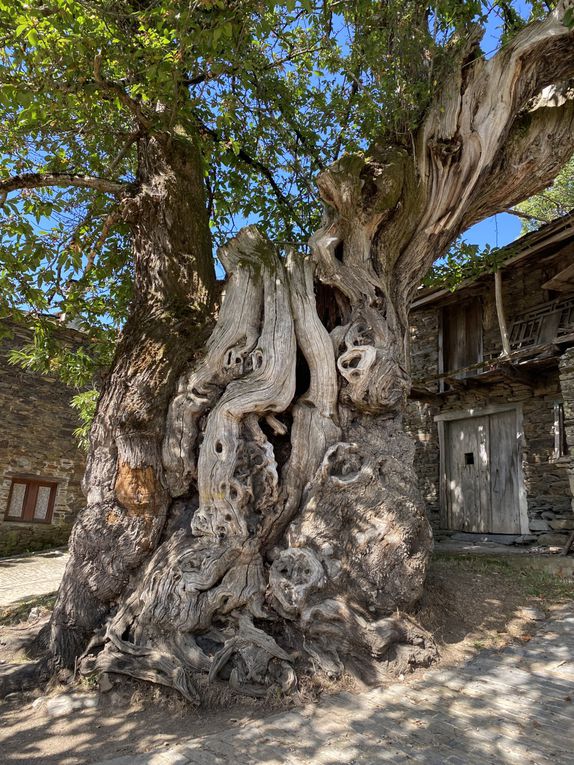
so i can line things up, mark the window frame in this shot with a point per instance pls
(32, 484)
(473, 303)
(559, 431)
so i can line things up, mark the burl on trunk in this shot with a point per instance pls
(252, 511)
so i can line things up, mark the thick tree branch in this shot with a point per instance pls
(41, 180)
(537, 147)
(498, 133)
(469, 126)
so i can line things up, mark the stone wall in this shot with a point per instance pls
(548, 478)
(419, 416)
(565, 520)
(37, 440)
(419, 423)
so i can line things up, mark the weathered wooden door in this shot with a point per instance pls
(482, 473)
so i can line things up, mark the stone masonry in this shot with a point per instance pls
(565, 521)
(37, 441)
(548, 474)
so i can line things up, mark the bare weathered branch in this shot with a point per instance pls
(41, 180)
(498, 133)
(537, 147)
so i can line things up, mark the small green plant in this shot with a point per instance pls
(90, 682)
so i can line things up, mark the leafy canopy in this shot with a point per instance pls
(274, 91)
(553, 202)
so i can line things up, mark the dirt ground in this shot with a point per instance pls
(469, 605)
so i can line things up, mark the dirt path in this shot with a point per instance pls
(470, 606)
(510, 707)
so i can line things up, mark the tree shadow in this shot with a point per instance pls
(502, 707)
(31, 558)
(508, 706)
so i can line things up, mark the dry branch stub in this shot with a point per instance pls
(300, 530)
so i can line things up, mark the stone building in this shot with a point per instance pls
(495, 430)
(40, 465)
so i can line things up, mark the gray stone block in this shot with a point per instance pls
(539, 524)
(562, 524)
(553, 540)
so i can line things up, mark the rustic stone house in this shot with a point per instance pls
(495, 430)
(40, 465)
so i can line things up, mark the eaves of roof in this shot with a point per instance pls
(554, 232)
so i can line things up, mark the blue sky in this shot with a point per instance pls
(503, 228)
(496, 231)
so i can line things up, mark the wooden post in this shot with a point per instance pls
(500, 313)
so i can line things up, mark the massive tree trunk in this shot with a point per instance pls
(174, 291)
(255, 510)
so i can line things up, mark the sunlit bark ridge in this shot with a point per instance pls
(264, 510)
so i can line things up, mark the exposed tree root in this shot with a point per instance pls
(280, 485)
(308, 532)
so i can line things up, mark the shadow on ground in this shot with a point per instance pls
(31, 559)
(502, 706)
(505, 707)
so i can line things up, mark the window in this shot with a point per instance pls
(560, 443)
(31, 500)
(461, 337)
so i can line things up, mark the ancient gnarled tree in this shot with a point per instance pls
(251, 500)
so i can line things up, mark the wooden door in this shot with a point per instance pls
(504, 473)
(467, 474)
(482, 472)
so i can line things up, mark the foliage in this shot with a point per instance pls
(274, 91)
(556, 200)
(463, 261)
(85, 405)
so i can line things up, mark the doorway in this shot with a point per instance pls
(483, 489)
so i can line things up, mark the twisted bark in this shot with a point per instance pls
(254, 512)
(329, 478)
(126, 493)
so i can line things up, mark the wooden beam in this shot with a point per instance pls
(501, 313)
(514, 373)
(563, 281)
